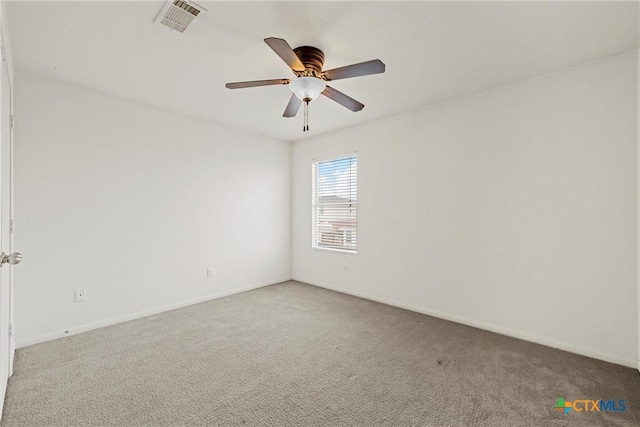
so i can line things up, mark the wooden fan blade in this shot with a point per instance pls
(292, 107)
(342, 99)
(362, 69)
(284, 51)
(240, 85)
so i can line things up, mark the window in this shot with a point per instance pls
(334, 204)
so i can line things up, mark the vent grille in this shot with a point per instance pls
(179, 15)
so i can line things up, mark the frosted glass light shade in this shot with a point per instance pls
(307, 87)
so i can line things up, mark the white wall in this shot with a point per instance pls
(134, 203)
(513, 210)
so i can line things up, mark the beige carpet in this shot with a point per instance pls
(293, 354)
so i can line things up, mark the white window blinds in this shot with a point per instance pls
(334, 204)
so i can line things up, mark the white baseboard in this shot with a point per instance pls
(487, 327)
(3, 393)
(24, 342)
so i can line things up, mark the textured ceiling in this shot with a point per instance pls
(434, 51)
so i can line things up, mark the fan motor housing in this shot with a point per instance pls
(311, 57)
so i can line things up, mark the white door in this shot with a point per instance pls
(6, 228)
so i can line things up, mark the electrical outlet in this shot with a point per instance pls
(209, 273)
(80, 295)
(345, 267)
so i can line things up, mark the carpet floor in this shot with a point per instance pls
(297, 355)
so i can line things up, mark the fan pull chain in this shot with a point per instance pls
(305, 126)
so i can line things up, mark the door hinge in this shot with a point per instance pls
(13, 121)
(10, 330)
(11, 226)
(4, 57)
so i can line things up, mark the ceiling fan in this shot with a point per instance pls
(306, 63)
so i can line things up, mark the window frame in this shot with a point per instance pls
(314, 205)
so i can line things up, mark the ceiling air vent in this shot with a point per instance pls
(179, 15)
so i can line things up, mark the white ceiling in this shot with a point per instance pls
(434, 51)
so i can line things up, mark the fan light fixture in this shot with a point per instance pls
(306, 62)
(307, 88)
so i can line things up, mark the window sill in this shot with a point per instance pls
(340, 251)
